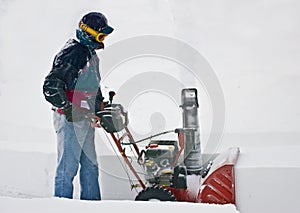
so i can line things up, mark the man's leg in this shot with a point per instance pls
(89, 173)
(68, 156)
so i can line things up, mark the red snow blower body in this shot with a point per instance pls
(174, 169)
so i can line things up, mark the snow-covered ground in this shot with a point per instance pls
(49, 205)
(253, 48)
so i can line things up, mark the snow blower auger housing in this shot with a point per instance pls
(174, 169)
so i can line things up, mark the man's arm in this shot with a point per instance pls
(57, 82)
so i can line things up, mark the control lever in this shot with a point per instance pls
(111, 96)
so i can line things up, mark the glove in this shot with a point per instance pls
(73, 114)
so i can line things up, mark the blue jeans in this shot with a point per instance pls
(75, 146)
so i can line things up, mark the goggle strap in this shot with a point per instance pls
(88, 29)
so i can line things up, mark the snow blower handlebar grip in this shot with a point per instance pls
(111, 96)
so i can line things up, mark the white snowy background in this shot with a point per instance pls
(254, 49)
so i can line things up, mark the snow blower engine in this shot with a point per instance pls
(158, 159)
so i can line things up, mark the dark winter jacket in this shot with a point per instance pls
(74, 77)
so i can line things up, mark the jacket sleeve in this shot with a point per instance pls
(60, 78)
(54, 92)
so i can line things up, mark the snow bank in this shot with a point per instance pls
(266, 181)
(50, 205)
(26, 174)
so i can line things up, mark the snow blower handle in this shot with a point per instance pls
(111, 96)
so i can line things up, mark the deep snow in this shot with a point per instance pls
(253, 47)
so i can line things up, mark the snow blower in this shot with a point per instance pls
(174, 169)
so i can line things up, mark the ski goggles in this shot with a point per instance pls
(99, 37)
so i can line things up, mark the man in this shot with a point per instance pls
(73, 88)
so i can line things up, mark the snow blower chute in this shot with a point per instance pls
(174, 169)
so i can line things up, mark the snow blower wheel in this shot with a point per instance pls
(155, 194)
